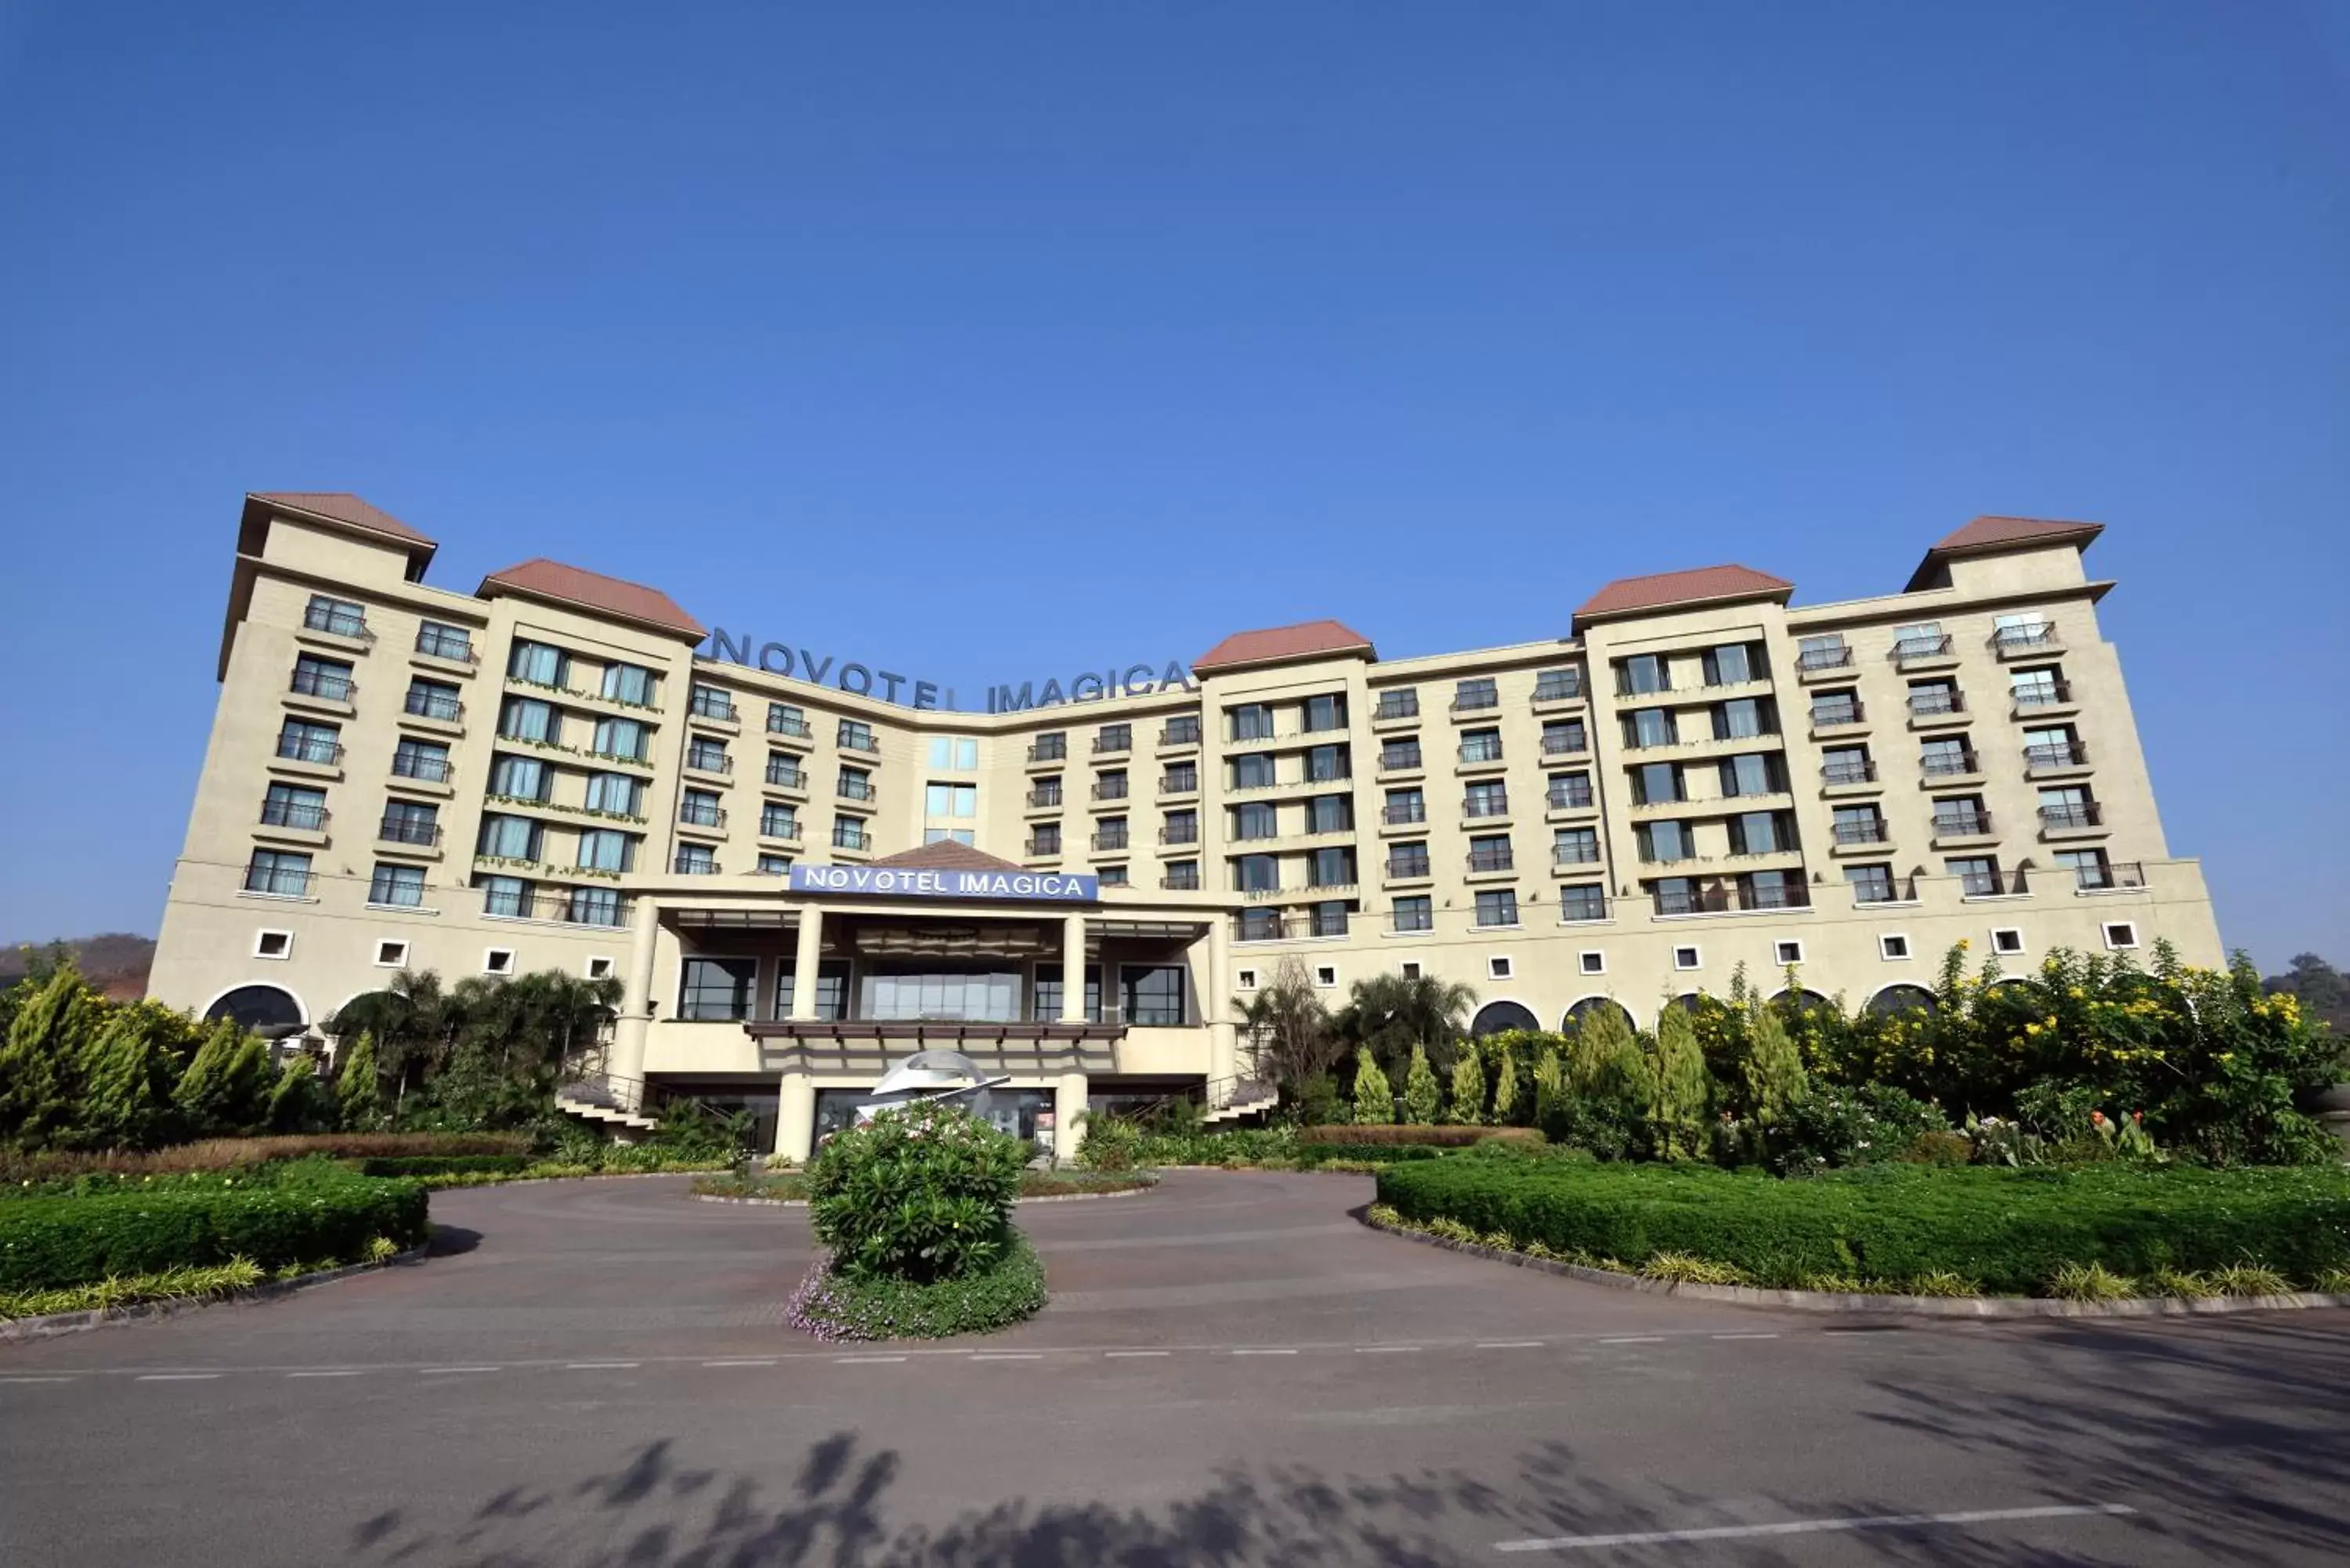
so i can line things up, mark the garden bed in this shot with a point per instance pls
(792, 1186)
(834, 1306)
(2098, 1232)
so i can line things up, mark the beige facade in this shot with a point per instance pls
(546, 774)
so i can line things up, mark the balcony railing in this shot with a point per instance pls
(329, 684)
(1107, 841)
(1566, 744)
(1413, 919)
(2084, 813)
(1180, 783)
(717, 708)
(283, 882)
(854, 789)
(2056, 756)
(1824, 714)
(1190, 835)
(1399, 866)
(1181, 881)
(1479, 805)
(694, 866)
(1870, 832)
(786, 777)
(336, 621)
(1912, 648)
(1991, 884)
(408, 830)
(1838, 657)
(1946, 765)
(857, 738)
(1929, 704)
(1961, 824)
(1476, 701)
(1891, 890)
(1491, 860)
(1775, 896)
(2105, 879)
(434, 642)
(779, 827)
(1396, 815)
(1328, 775)
(1397, 705)
(1848, 773)
(1400, 758)
(1558, 686)
(1042, 846)
(1118, 741)
(1576, 854)
(1483, 751)
(1043, 797)
(2044, 694)
(1110, 789)
(847, 837)
(421, 766)
(708, 761)
(298, 749)
(1582, 904)
(1720, 900)
(300, 816)
(434, 705)
(2008, 638)
(1327, 923)
(1568, 799)
(1051, 751)
(1179, 734)
(698, 815)
(789, 724)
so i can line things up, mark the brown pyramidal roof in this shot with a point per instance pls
(1702, 585)
(946, 855)
(342, 506)
(1281, 644)
(541, 579)
(1991, 535)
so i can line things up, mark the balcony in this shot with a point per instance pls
(1179, 783)
(1562, 856)
(2041, 762)
(1934, 710)
(1180, 834)
(685, 865)
(1264, 926)
(572, 906)
(1993, 884)
(336, 620)
(2044, 697)
(2121, 877)
(854, 789)
(2027, 641)
(1824, 663)
(1044, 799)
(1402, 760)
(695, 814)
(849, 835)
(1568, 745)
(1053, 750)
(433, 705)
(1040, 848)
(1891, 890)
(1403, 815)
(1911, 652)
(1849, 836)
(1470, 703)
(1559, 686)
(277, 881)
(1113, 743)
(1837, 718)
(1327, 923)
(1482, 862)
(1407, 868)
(1407, 921)
(1486, 808)
(1955, 829)
(1396, 708)
(709, 761)
(858, 738)
(789, 724)
(326, 685)
(2073, 821)
(1481, 754)
(300, 816)
(716, 710)
(1105, 842)
(1560, 801)
(1110, 789)
(785, 778)
(449, 647)
(309, 752)
(780, 829)
(1174, 736)
(1181, 881)
(1848, 778)
(1731, 900)
(1942, 772)
(422, 768)
(414, 833)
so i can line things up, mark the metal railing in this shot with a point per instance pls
(1180, 783)
(436, 705)
(1110, 789)
(786, 777)
(788, 724)
(690, 814)
(298, 815)
(1106, 841)
(1824, 714)
(1836, 657)
(1180, 834)
(337, 622)
(1945, 766)
(2105, 879)
(709, 761)
(1582, 904)
(1181, 881)
(1493, 860)
(1558, 686)
(1042, 846)
(1915, 648)
(437, 642)
(332, 685)
(1569, 800)
(1576, 854)
(2012, 636)
(1929, 704)
(2074, 755)
(2083, 814)
(1480, 751)
(1048, 751)
(1414, 920)
(1476, 701)
(421, 765)
(1400, 759)
(857, 738)
(1484, 806)
(1848, 773)
(283, 882)
(1397, 705)
(1870, 832)
(1121, 739)
(298, 749)
(1890, 890)
(408, 830)
(1407, 866)
(1044, 797)
(850, 837)
(1961, 824)
(1397, 815)
(786, 827)
(854, 789)
(694, 866)
(2042, 693)
(720, 709)
(1327, 923)
(1565, 745)
(1180, 735)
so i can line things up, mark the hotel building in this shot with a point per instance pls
(797, 884)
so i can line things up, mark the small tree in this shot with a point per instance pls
(1422, 1092)
(296, 1102)
(1468, 1107)
(1678, 1104)
(203, 1092)
(1374, 1101)
(127, 1102)
(40, 1062)
(1505, 1085)
(1773, 1069)
(358, 1100)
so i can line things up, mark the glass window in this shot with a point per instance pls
(340, 617)
(1481, 745)
(1651, 727)
(1654, 782)
(1644, 672)
(1740, 718)
(2032, 688)
(1556, 685)
(399, 885)
(1757, 833)
(628, 738)
(1663, 841)
(537, 663)
(1487, 797)
(1046, 840)
(1258, 873)
(1404, 704)
(696, 860)
(506, 897)
(628, 683)
(1111, 835)
(976, 996)
(700, 807)
(1920, 639)
(702, 753)
(786, 718)
(317, 676)
(1870, 884)
(1417, 913)
(831, 991)
(856, 735)
(1836, 707)
(1045, 993)
(1582, 901)
(778, 820)
(437, 639)
(1479, 692)
(1749, 774)
(525, 719)
(1978, 876)
(1329, 814)
(1257, 819)
(1114, 738)
(958, 753)
(1181, 778)
(1575, 846)
(1327, 712)
(616, 793)
(709, 702)
(409, 822)
(772, 866)
(1182, 827)
(716, 989)
(292, 806)
(427, 760)
(1151, 996)
(279, 871)
(950, 800)
(1252, 770)
(1251, 721)
(1324, 764)
(1564, 736)
(1845, 764)
(1826, 652)
(509, 837)
(1570, 791)
(519, 778)
(1729, 665)
(1330, 868)
(1406, 806)
(1497, 907)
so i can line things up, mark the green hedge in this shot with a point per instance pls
(2010, 1230)
(1413, 1133)
(834, 1306)
(1313, 1154)
(442, 1164)
(310, 1213)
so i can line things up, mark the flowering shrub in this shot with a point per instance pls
(834, 1306)
(919, 1193)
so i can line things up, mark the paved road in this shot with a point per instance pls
(1231, 1371)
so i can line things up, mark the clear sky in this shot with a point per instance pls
(1005, 340)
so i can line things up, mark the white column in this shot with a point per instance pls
(1068, 1115)
(1073, 974)
(796, 1121)
(626, 1061)
(1215, 1009)
(805, 964)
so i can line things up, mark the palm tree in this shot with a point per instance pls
(1392, 1013)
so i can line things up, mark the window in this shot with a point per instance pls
(1110, 784)
(1404, 806)
(949, 836)
(1408, 859)
(1329, 814)
(1786, 952)
(509, 837)
(1487, 797)
(1490, 852)
(1569, 792)
(1180, 778)
(2027, 629)
(856, 735)
(1742, 718)
(1256, 820)
(1664, 842)
(438, 639)
(1326, 764)
(1497, 968)
(1840, 707)
(1772, 890)
(409, 822)
(1870, 884)
(1417, 913)
(2120, 935)
(594, 907)
(1591, 961)
(2067, 806)
(1182, 875)
(1400, 754)
(1686, 957)
(439, 701)
(1253, 770)
(617, 794)
(770, 865)
(787, 719)
(1892, 947)
(1497, 907)
(633, 741)
(1182, 827)
(1049, 747)
(1941, 758)
(709, 702)
(628, 683)
(1045, 993)
(498, 961)
(1182, 730)
(269, 944)
(1960, 817)
(1930, 698)
(1471, 695)
(2053, 747)
(1151, 996)
(1114, 738)
(1643, 673)
(1251, 721)
(1331, 868)
(695, 860)
(2038, 688)
(1762, 833)
(507, 898)
(598, 968)
(2007, 939)
(778, 820)
(1325, 975)
(700, 808)
(1656, 781)
(702, 753)
(1564, 737)
(1047, 791)
(1404, 704)
(1827, 652)
(955, 800)
(390, 955)
(538, 663)
(2091, 870)
(1481, 745)
(1410, 968)
(1245, 979)
(1978, 876)
(1111, 835)
(520, 778)
(1257, 873)
(327, 678)
(1046, 840)
(848, 833)
(716, 989)
(1582, 901)
(958, 753)
(1675, 896)
(1575, 847)
(292, 806)
(1858, 825)
(519, 719)
(832, 991)
(1729, 665)
(1755, 773)
(400, 886)
(1325, 713)
(424, 760)
(1923, 640)
(1558, 685)
(340, 617)
(1111, 875)
(1651, 727)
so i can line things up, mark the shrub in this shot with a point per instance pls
(1466, 1101)
(442, 1164)
(920, 1192)
(358, 1096)
(307, 1212)
(2090, 1283)
(2010, 1230)
(1506, 1107)
(2249, 1279)
(834, 1305)
(1410, 1132)
(1374, 1101)
(1837, 1127)
(172, 1285)
(1421, 1094)
(1683, 1090)
(239, 1153)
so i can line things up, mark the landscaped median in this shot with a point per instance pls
(792, 1186)
(2096, 1232)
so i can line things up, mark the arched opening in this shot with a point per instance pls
(1687, 1001)
(1903, 998)
(1590, 1006)
(1496, 1016)
(1799, 1000)
(260, 1009)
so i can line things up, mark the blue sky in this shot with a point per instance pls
(999, 341)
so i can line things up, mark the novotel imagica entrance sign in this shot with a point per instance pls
(1053, 886)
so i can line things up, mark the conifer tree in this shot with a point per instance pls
(1505, 1085)
(297, 1104)
(1677, 1105)
(247, 1082)
(201, 1094)
(1774, 1068)
(1374, 1101)
(40, 1063)
(1422, 1092)
(1468, 1107)
(127, 1100)
(357, 1099)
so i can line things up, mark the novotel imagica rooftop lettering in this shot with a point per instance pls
(867, 681)
(1054, 885)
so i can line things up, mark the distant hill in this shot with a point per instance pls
(115, 962)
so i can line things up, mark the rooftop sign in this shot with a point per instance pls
(861, 680)
(1053, 886)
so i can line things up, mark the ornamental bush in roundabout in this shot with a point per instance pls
(915, 1209)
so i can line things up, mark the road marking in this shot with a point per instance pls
(1129, 1355)
(434, 1371)
(864, 1360)
(176, 1376)
(1634, 1339)
(1007, 1355)
(1384, 1349)
(353, 1373)
(1263, 1350)
(36, 1379)
(738, 1364)
(1514, 1345)
(599, 1366)
(1816, 1526)
(1743, 1336)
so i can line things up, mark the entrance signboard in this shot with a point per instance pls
(1055, 886)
